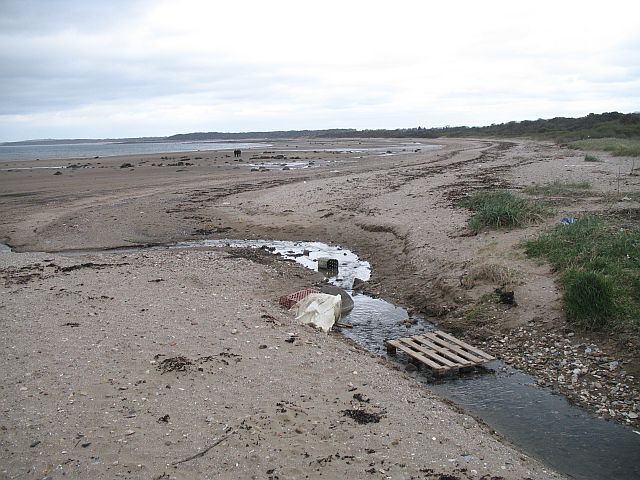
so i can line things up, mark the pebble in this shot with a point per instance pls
(597, 381)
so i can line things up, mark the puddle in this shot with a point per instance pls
(411, 147)
(280, 165)
(537, 420)
(350, 266)
(60, 167)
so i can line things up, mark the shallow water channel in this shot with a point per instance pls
(537, 420)
(540, 422)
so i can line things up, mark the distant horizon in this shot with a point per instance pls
(248, 132)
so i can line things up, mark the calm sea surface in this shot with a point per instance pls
(91, 150)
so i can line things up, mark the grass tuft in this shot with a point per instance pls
(491, 273)
(501, 209)
(558, 188)
(483, 310)
(600, 263)
(588, 299)
(591, 158)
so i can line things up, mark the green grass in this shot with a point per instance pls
(558, 188)
(600, 266)
(620, 147)
(588, 299)
(591, 158)
(501, 209)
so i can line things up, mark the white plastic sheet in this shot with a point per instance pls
(319, 309)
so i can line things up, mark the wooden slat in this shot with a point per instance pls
(429, 353)
(416, 355)
(443, 351)
(459, 351)
(475, 350)
(440, 352)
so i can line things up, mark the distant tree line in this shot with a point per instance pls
(562, 129)
(207, 136)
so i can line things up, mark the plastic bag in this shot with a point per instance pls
(320, 310)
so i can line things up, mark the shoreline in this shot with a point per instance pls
(344, 201)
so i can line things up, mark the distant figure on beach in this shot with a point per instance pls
(237, 153)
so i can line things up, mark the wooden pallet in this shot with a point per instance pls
(439, 351)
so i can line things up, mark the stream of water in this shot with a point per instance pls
(537, 420)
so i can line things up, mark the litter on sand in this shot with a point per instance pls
(320, 310)
(288, 301)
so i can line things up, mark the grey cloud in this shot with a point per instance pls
(40, 76)
(39, 17)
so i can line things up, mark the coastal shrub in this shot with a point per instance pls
(599, 258)
(500, 209)
(620, 147)
(588, 299)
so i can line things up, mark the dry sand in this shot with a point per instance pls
(85, 395)
(88, 400)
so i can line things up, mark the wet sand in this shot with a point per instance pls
(282, 404)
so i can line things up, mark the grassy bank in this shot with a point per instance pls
(600, 266)
(500, 209)
(621, 147)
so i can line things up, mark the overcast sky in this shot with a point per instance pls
(119, 68)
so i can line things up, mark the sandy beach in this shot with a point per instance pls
(127, 364)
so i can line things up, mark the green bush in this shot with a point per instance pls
(621, 147)
(588, 299)
(600, 262)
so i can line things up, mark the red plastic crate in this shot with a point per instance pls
(288, 301)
